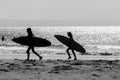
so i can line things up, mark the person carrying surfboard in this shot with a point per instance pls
(31, 45)
(70, 46)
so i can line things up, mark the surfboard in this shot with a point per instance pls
(72, 44)
(34, 41)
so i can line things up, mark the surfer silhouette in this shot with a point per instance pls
(70, 46)
(31, 45)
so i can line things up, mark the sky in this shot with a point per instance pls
(84, 11)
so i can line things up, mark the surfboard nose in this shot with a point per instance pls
(84, 51)
(49, 43)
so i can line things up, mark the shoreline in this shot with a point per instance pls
(59, 57)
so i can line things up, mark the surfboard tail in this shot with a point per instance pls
(83, 52)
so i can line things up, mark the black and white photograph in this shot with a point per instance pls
(59, 40)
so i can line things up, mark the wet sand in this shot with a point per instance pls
(19, 69)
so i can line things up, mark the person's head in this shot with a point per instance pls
(29, 30)
(69, 34)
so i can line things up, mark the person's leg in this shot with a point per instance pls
(40, 57)
(75, 58)
(28, 53)
(69, 57)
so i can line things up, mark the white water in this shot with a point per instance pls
(50, 53)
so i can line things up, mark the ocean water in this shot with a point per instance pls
(93, 39)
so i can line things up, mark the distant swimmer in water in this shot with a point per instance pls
(31, 45)
(71, 46)
(3, 38)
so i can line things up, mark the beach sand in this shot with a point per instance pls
(55, 66)
(19, 69)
